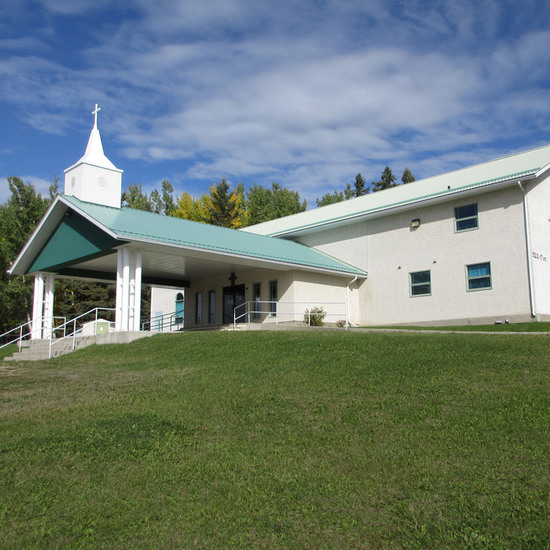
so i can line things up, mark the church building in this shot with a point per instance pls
(469, 246)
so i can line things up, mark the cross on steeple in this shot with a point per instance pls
(94, 112)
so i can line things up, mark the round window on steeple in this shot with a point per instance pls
(73, 181)
(102, 181)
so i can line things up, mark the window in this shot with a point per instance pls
(179, 308)
(257, 296)
(211, 306)
(466, 217)
(479, 276)
(273, 297)
(421, 284)
(198, 308)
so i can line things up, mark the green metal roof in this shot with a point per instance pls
(517, 166)
(128, 224)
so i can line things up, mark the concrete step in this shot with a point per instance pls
(38, 350)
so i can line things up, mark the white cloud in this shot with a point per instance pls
(307, 93)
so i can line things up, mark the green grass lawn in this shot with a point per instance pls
(280, 440)
(512, 327)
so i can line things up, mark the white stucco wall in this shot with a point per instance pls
(163, 303)
(297, 290)
(389, 250)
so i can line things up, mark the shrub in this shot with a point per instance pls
(315, 317)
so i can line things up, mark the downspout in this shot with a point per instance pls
(348, 322)
(528, 246)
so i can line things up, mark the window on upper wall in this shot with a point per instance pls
(421, 284)
(466, 217)
(478, 276)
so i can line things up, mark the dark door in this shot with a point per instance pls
(233, 296)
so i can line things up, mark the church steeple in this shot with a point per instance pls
(94, 178)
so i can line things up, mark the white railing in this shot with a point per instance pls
(23, 334)
(76, 331)
(289, 311)
(168, 322)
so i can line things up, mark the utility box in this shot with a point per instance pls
(101, 326)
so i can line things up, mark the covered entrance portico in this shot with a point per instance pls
(80, 240)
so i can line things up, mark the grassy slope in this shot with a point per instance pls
(512, 327)
(290, 440)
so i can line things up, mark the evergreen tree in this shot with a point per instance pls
(387, 180)
(359, 185)
(225, 208)
(407, 176)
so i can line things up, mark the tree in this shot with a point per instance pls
(168, 204)
(268, 204)
(358, 190)
(387, 180)
(407, 176)
(330, 198)
(18, 218)
(135, 197)
(225, 208)
(191, 208)
(359, 185)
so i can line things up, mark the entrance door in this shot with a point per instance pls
(233, 296)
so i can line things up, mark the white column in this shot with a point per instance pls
(119, 290)
(137, 291)
(128, 290)
(48, 306)
(37, 306)
(125, 288)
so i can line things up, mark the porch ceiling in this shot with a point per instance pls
(172, 265)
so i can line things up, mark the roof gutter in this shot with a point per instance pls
(528, 251)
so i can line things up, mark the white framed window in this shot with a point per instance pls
(211, 306)
(420, 283)
(273, 297)
(257, 296)
(198, 308)
(478, 276)
(466, 217)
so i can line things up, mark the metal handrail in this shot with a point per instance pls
(276, 311)
(167, 320)
(22, 335)
(75, 331)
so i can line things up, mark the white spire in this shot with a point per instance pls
(94, 151)
(94, 178)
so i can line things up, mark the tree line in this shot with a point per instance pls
(360, 187)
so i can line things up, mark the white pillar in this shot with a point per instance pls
(37, 306)
(48, 306)
(125, 288)
(119, 290)
(137, 291)
(128, 290)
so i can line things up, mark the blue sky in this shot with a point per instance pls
(306, 93)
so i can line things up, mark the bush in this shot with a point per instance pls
(315, 317)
